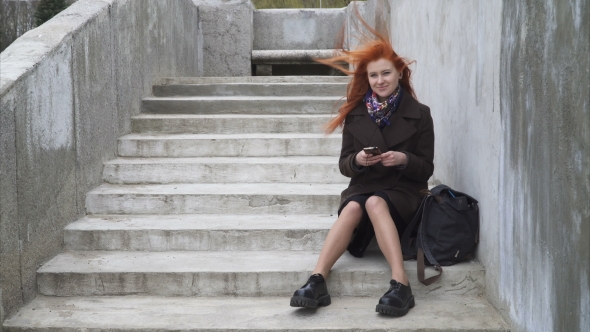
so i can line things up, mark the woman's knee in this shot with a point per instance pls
(376, 204)
(352, 209)
(351, 214)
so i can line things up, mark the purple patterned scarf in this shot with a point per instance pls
(380, 112)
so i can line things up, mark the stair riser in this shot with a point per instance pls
(211, 204)
(229, 125)
(251, 90)
(253, 147)
(340, 283)
(196, 240)
(254, 106)
(222, 173)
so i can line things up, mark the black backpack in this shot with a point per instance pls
(445, 230)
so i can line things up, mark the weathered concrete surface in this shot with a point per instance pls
(10, 277)
(244, 145)
(544, 187)
(238, 273)
(225, 27)
(507, 83)
(297, 29)
(68, 89)
(152, 314)
(228, 123)
(290, 56)
(242, 105)
(253, 79)
(251, 89)
(209, 198)
(319, 169)
(199, 232)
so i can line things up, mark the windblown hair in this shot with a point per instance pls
(370, 49)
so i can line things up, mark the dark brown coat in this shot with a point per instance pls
(411, 131)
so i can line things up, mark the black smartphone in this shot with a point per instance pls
(372, 150)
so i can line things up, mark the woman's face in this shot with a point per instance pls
(383, 78)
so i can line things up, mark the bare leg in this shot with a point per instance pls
(338, 238)
(387, 237)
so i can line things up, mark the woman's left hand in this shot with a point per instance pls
(394, 158)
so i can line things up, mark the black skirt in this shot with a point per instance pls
(364, 232)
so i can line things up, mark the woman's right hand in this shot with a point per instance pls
(364, 159)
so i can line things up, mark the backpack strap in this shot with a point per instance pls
(422, 268)
(406, 241)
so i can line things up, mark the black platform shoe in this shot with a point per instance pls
(312, 294)
(397, 301)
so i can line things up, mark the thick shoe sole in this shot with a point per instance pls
(305, 302)
(395, 311)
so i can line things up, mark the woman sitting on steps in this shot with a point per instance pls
(384, 192)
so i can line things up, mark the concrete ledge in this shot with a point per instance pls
(290, 56)
(283, 29)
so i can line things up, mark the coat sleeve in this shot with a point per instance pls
(420, 164)
(347, 155)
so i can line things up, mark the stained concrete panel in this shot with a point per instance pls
(456, 46)
(46, 159)
(227, 37)
(95, 100)
(297, 29)
(10, 281)
(545, 178)
(146, 35)
(68, 90)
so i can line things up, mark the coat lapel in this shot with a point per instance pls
(365, 129)
(367, 132)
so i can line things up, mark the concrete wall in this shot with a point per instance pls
(544, 230)
(227, 35)
(508, 85)
(67, 91)
(297, 29)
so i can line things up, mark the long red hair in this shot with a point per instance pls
(369, 50)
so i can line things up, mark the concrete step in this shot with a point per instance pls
(198, 232)
(215, 198)
(229, 123)
(234, 273)
(231, 145)
(250, 89)
(158, 314)
(242, 105)
(252, 79)
(223, 170)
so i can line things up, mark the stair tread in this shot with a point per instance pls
(202, 222)
(151, 136)
(152, 313)
(225, 116)
(253, 79)
(220, 261)
(296, 160)
(222, 189)
(246, 98)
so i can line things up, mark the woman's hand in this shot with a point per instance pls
(363, 159)
(394, 158)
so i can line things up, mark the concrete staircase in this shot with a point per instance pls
(215, 212)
